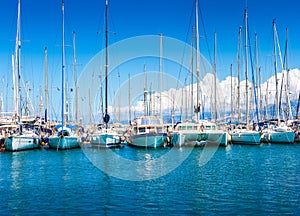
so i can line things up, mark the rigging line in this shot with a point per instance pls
(280, 93)
(100, 30)
(186, 39)
(297, 109)
(285, 55)
(205, 35)
(253, 79)
(282, 72)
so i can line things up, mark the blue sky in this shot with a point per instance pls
(41, 27)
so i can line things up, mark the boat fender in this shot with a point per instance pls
(123, 138)
(202, 128)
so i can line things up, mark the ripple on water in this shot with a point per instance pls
(238, 179)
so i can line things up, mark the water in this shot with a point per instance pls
(236, 180)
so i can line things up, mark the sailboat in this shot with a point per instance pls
(199, 132)
(242, 134)
(277, 131)
(66, 137)
(104, 136)
(148, 130)
(23, 136)
(296, 122)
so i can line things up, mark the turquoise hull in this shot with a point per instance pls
(106, 140)
(247, 138)
(147, 140)
(278, 137)
(20, 143)
(194, 139)
(63, 143)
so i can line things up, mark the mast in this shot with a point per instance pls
(27, 88)
(63, 66)
(297, 109)
(106, 116)
(129, 99)
(17, 64)
(197, 64)
(192, 74)
(254, 92)
(145, 90)
(239, 73)
(75, 76)
(215, 78)
(46, 84)
(231, 92)
(287, 88)
(257, 73)
(41, 102)
(275, 68)
(119, 105)
(246, 65)
(267, 101)
(260, 90)
(160, 72)
(2, 98)
(150, 100)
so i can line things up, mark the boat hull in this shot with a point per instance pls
(297, 136)
(21, 143)
(182, 138)
(278, 137)
(63, 143)
(148, 140)
(247, 138)
(106, 140)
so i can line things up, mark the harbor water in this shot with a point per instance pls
(238, 179)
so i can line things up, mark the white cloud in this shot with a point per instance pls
(180, 100)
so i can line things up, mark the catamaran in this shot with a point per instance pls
(198, 132)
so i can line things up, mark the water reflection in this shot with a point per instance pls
(16, 168)
(137, 164)
(231, 183)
